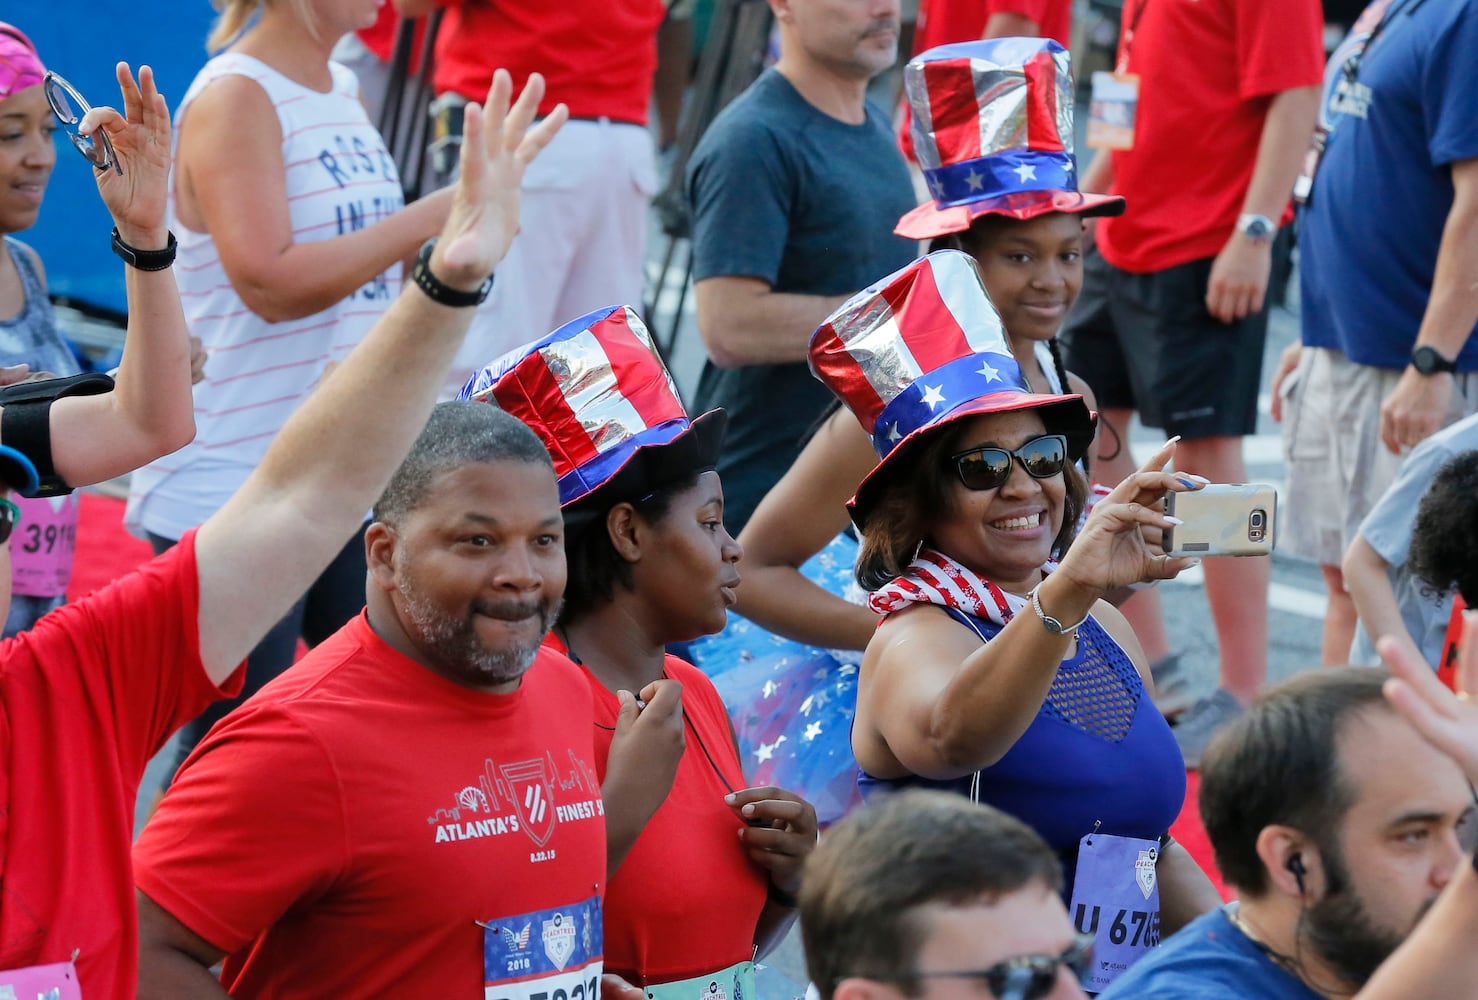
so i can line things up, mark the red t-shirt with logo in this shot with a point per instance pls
(686, 899)
(1208, 69)
(86, 698)
(943, 22)
(597, 56)
(358, 827)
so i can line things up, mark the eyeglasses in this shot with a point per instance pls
(988, 468)
(70, 108)
(1028, 977)
(10, 516)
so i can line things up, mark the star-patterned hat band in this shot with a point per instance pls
(597, 394)
(923, 348)
(992, 126)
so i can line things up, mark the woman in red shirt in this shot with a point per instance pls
(704, 869)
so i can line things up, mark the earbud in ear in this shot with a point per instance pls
(1296, 866)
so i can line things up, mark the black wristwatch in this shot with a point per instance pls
(445, 294)
(145, 260)
(1428, 361)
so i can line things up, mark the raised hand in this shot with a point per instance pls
(780, 832)
(497, 146)
(140, 136)
(1112, 550)
(1448, 721)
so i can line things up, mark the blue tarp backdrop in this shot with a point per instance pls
(82, 40)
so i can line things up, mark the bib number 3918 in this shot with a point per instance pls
(1116, 898)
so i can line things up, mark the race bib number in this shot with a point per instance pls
(546, 955)
(41, 982)
(41, 548)
(1112, 109)
(1116, 898)
(734, 983)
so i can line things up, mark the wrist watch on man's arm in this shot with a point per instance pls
(1258, 228)
(1427, 360)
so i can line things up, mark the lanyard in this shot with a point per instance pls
(1351, 68)
(1123, 65)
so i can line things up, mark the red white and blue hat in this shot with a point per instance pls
(920, 350)
(992, 127)
(599, 397)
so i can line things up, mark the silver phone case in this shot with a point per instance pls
(1219, 520)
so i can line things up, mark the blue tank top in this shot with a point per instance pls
(31, 337)
(1098, 755)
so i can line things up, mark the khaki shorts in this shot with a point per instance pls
(1337, 466)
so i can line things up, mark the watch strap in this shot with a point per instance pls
(439, 292)
(145, 260)
(1052, 624)
(1432, 362)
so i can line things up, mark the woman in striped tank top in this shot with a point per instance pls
(292, 230)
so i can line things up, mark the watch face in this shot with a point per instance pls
(1257, 229)
(1427, 361)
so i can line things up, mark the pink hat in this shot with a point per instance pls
(20, 66)
(992, 126)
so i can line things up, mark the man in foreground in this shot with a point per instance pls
(1339, 825)
(930, 894)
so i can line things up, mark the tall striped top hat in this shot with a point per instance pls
(924, 348)
(599, 397)
(992, 127)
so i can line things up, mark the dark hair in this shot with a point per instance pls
(1444, 540)
(864, 883)
(596, 569)
(915, 497)
(1278, 765)
(456, 434)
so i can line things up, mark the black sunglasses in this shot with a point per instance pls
(10, 516)
(989, 468)
(70, 108)
(1028, 977)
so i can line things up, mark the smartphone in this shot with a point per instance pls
(1223, 519)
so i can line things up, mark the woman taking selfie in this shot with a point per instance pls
(993, 673)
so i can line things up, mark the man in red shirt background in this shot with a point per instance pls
(1172, 318)
(582, 238)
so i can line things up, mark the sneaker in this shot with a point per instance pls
(1203, 721)
(1172, 686)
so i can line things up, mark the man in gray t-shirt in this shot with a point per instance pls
(795, 190)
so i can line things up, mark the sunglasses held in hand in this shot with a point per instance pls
(70, 108)
(989, 468)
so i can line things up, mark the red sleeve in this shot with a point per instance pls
(711, 716)
(252, 825)
(129, 652)
(1280, 46)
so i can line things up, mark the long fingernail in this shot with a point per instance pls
(1189, 484)
(1200, 479)
(1173, 519)
(1168, 443)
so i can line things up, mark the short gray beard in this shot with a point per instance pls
(454, 644)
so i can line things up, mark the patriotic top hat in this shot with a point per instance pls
(599, 397)
(920, 350)
(992, 127)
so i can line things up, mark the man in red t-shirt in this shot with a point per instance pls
(89, 694)
(414, 809)
(1222, 97)
(582, 245)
